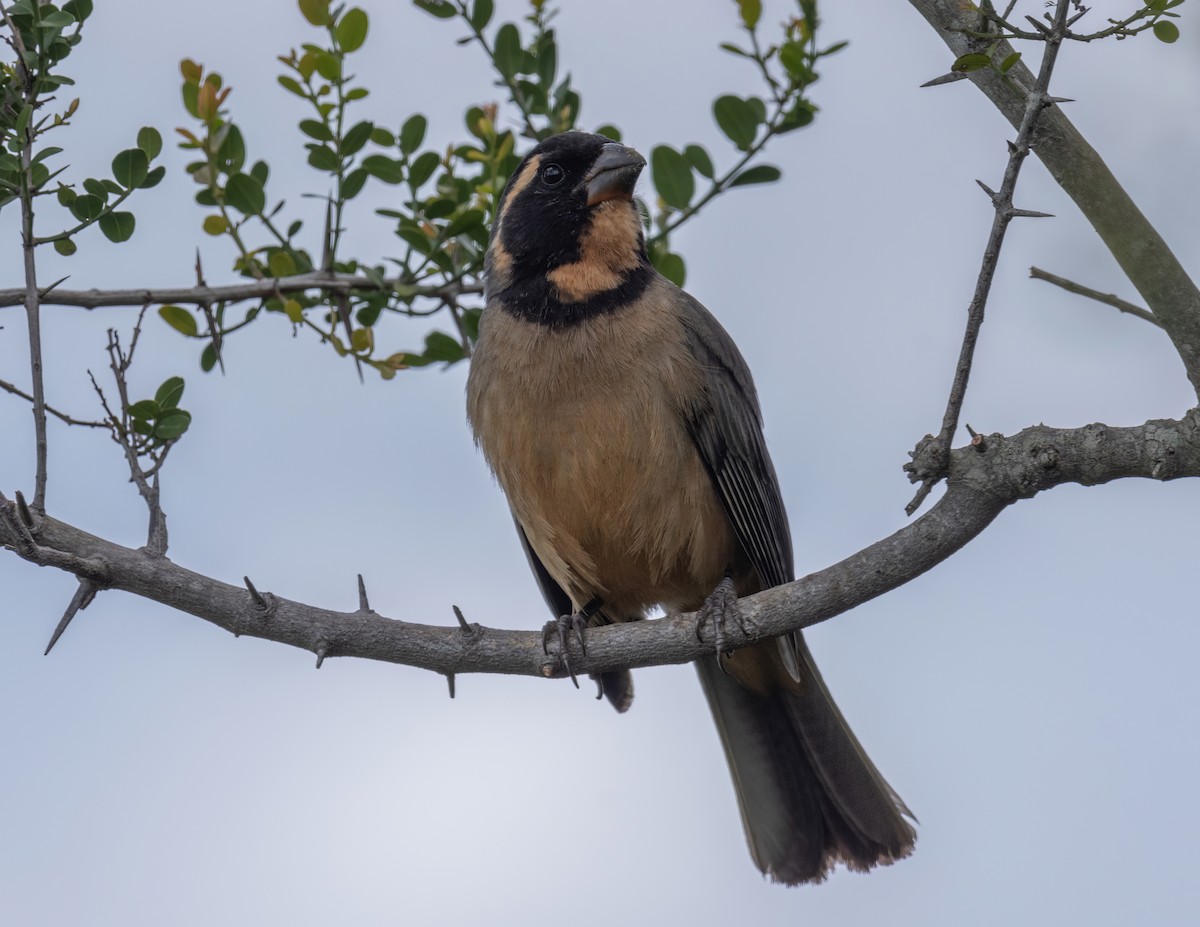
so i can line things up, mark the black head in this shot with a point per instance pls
(567, 229)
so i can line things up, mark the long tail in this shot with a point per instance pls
(809, 795)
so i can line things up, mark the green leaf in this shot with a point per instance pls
(1009, 62)
(356, 137)
(610, 131)
(970, 62)
(146, 409)
(794, 58)
(66, 196)
(670, 265)
(215, 225)
(169, 393)
(422, 168)
(179, 319)
(208, 358)
(760, 173)
(64, 246)
(231, 153)
(352, 30)
(153, 178)
(291, 85)
(314, 128)
(329, 66)
(322, 157)
(315, 11)
(441, 347)
(353, 183)
(172, 425)
(245, 194)
(149, 140)
(751, 11)
(442, 9)
(80, 9)
(130, 167)
(412, 133)
(700, 161)
(281, 264)
(96, 189)
(509, 55)
(465, 222)
(481, 14)
(381, 136)
(1166, 31)
(389, 170)
(672, 176)
(737, 119)
(117, 226)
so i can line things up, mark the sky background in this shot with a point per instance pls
(1033, 699)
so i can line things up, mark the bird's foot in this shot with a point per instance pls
(720, 606)
(563, 625)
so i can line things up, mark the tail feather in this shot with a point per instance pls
(809, 795)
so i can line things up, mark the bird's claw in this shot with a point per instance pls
(719, 607)
(563, 625)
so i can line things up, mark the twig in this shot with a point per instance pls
(30, 296)
(1002, 202)
(16, 391)
(1108, 299)
(238, 292)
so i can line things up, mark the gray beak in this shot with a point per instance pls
(614, 174)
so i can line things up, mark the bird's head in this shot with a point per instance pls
(567, 231)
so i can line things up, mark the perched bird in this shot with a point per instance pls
(622, 424)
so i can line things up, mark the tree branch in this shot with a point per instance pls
(1143, 255)
(1036, 101)
(984, 479)
(1109, 299)
(256, 289)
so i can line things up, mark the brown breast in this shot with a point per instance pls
(583, 428)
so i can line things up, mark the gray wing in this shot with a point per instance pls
(726, 424)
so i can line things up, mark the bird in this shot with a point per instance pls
(623, 426)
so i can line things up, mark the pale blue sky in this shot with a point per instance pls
(1033, 699)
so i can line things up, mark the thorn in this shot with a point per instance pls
(1029, 214)
(977, 440)
(945, 79)
(61, 280)
(23, 510)
(259, 601)
(1049, 100)
(988, 190)
(1038, 26)
(79, 601)
(322, 653)
(462, 622)
(363, 604)
(450, 683)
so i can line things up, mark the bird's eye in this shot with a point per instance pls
(552, 174)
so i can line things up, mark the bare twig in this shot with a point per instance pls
(1002, 202)
(16, 391)
(1108, 299)
(238, 292)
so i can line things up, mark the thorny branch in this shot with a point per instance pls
(983, 480)
(931, 453)
(1147, 260)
